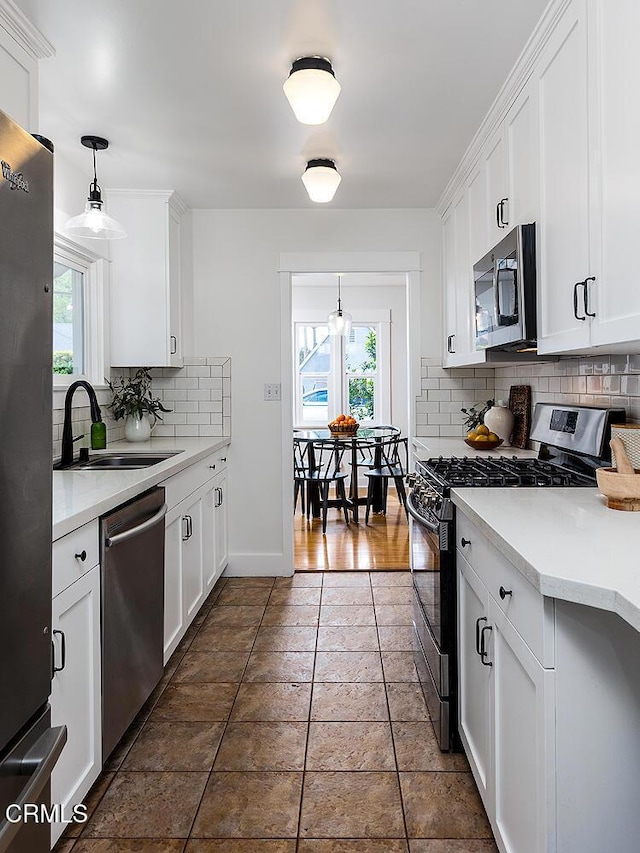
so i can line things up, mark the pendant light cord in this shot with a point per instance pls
(339, 299)
(95, 170)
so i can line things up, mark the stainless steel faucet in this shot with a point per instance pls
(67, 434)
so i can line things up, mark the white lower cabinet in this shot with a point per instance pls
(192, 562)
(76, 691)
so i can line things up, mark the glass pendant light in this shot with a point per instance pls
(94, 222)
(321, 179)
(339, 321)
(311, 89)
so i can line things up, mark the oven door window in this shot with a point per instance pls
(425, 566)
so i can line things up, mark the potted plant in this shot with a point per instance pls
(474, 416)
(133, 401)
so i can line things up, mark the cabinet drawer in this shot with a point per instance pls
(178, 487)
(74, 555)
(530, 613)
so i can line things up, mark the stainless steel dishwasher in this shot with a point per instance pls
(132, 569)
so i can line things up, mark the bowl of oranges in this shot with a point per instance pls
(343, 425)
(481, 438)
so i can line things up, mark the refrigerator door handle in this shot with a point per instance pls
(38, 764)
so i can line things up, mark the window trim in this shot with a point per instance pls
(95, 313)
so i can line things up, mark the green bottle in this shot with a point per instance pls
(98, 436)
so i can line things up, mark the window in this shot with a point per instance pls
(336, 374)
(79, 314)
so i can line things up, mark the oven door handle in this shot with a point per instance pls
(420, 519)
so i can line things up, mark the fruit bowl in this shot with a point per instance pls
(483, 445)
(338, 430)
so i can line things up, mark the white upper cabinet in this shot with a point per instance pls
(521, 142)
(564, 233)
(496, 176)
(146, 322)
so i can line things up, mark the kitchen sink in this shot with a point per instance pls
(119, 461)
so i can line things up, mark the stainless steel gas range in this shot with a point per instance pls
(574, 441)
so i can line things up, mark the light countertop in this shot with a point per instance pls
(565, 541)
(428, 447)
(81, 496)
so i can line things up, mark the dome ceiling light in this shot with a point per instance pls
(311, 89)
(94, 222)
(321, 179)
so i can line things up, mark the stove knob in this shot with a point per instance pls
(411, 480)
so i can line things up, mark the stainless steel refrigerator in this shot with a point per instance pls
(29, 747)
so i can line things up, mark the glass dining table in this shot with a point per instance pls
(362, 451)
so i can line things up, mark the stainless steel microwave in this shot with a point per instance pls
(505, 293)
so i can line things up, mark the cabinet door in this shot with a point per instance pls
(175, 290)
(464, 344)
(209, 537)
(564, 252)
(76, 691)
(523, 735)
(616, 296)
(473, 676)
(221, 524)
(520, 129)
(449, 283)
(192, 566)
(478, 219)
(495, 168)
(173, 606)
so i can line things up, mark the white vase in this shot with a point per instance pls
(499, 419)
(136, 428)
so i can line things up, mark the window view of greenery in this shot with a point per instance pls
(360, 359)
(67, 320)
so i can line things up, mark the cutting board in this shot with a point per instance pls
(520, 405)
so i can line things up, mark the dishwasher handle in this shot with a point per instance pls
(129, 534)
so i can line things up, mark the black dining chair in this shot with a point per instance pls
(302, 466)
(324, 464)
(391, 462)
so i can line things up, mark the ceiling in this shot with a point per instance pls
(190, 93)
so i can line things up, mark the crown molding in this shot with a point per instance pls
(515, 82)
(171, 197)
(24, 32)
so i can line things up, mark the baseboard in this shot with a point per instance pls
(258, 565)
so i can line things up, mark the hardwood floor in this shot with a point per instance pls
(383, 544)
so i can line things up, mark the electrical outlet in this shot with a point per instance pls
(273, 391)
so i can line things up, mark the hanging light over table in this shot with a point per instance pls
(94, 222)
(311, 89)
(321, 179)
(339, 321)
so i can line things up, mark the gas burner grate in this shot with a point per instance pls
(466, 472)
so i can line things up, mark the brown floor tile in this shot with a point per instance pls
(402, 578)
(443, 805)
(417, 749)
(189, 636)
(195, 702)
(332, 579)
(224, 638)
(351, 701)
(238, 845)
(250, 614)
(175, 746)
(350, 746)
(357, 614)
(211, 667)
(360, 845)
(286, 638)
(244, 595)
(406, 702)
(295, 595)
(91, 801)
(262, 746)
(249, 805)
(451, 845)
(129, 845)
(64, 845)
(284, 614)
(399, 666)
(339, 638)
(280, 666)
(347, 595)
(119, 753)
(393, 594)
(273, 701)
(351, 805)
(348, 666)
(148, 805)
(394, 638)
(300, 579)
(251, 582)
(394, 614)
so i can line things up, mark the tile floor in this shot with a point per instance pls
(289, 720)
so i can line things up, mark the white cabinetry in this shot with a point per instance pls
(76, 685)
(145, 281)
(507, 696)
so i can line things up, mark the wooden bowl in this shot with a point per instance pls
(622, 491)
(340, 431)
(483, 445)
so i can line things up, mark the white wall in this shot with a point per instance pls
(357, 299)
(237, 311)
